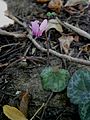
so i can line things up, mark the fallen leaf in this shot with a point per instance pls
(13, 113)
(55, 5)
(42, 1)
(76, 38)
(4, 20)
(24, 103)
(65, 42)
(85, 48)
(53, 23)
(33, 50)
(74, 2)
(71, 10)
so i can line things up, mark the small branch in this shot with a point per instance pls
(47, 46)
(37, 112)
(8, 14)
(3, 65)
(72, 59)
(3, 32)
(12, 44)
(77, 30)
(13, 18)
(46, 105)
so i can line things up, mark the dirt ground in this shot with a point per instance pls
(22, 75)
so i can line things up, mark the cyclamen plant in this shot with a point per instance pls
(37, 28)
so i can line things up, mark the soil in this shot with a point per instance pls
(22, 75)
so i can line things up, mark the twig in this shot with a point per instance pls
(3, 65)
(60, 115)
(37, 112)
(77, 30)
(8, 14)
(25, 53)
(46, 105)
(47, 45)
(12, 44)
(3, 32)
(60, 22)
(72, 59)
(7, 93)
(9, 65)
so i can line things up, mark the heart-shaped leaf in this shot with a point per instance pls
(78, 89)
(84, 111)
(54, 79)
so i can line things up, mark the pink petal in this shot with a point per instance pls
(35, 27)
(43, 26)
(39, 33)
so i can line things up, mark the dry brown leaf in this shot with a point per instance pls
(42, 1)
(75, 2)
(24, 103)
(65, 42)
(13, 113)
(55, 5)
(53, 23)
(71, 10)
(85, 48)
(76, 38)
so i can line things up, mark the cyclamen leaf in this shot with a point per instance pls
(13, 113)
(78, 89)
(84, 111)
(54, 80)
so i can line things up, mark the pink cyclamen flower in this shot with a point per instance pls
(37, 29)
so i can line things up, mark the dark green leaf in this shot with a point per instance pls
(78, 89)
(55, 80)
(84, 111)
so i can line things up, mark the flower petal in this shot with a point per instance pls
(35, 27)
(43, 26)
